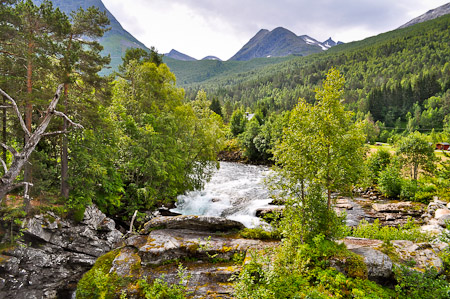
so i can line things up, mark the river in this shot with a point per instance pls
(235, 192)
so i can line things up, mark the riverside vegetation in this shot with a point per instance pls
(144, 142)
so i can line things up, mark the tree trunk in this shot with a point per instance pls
(64, 152)
(27, 174)
(4, 137)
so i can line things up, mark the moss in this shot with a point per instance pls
(355, 266)
(98, 282)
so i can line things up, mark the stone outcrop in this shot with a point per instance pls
(206, 246)
(55, 254)
(396, 213)
(201, 223)
(379, 264)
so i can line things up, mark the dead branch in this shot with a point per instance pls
(5, 168)
(60, 114)
(9, 148)
(55, 133)
(16, 109)
(19, 159)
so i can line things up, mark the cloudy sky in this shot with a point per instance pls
(221, 27)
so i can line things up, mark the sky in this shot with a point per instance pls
(220, 28)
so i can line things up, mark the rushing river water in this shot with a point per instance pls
(235, 191)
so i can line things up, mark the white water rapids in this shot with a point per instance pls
(235, 192)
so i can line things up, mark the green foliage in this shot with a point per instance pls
(159, 289)
(415, 151)
(408, 231)
(259, 233)
(416, 285)
(390, 180)
(165, 146)
(303, 271)
(98, 282)
(237, 123)
(216, 107)
(377, 162)
(321, 151)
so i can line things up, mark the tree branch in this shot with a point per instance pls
(60, 114)
(54, 133)
(5, 168)
(9, 148)
(16, 109)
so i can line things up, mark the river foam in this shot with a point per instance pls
(235, 192)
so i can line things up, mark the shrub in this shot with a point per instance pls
(390, 180)
(416, 285)
(408, 231)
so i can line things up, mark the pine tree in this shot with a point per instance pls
(80, 59)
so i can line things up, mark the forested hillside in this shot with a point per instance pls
(386, 75)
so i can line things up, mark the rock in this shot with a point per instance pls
(379, 265)
(431, 229)
(441, 212)
(424, 255)
(261, 212)
(399, 207)
(434, 205)
(343, 203)
(207, 258)
(55, 254)
(443, 220)
(198, 223)
(167, 212)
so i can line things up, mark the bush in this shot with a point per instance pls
(159, 289)
(416, 285)
(377, 162)
(390, 180)
(409, 231)
(303, 271)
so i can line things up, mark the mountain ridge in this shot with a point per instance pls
(279, 42)
(115, 41)
(429, 15)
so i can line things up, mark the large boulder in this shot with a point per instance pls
(379, 265)
(210, 258)
(196, 223)
(55, 254)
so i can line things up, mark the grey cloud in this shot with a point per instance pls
(252, 15)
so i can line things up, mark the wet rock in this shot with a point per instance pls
(55, 254)
(167, 212)
(262, 212)
(198, 223)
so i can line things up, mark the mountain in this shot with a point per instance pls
(279, 42)
(179, 56)
(115, 42)
(211, 58)
(430, 15)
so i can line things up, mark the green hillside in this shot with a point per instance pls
(385, 74)
(192, 72)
